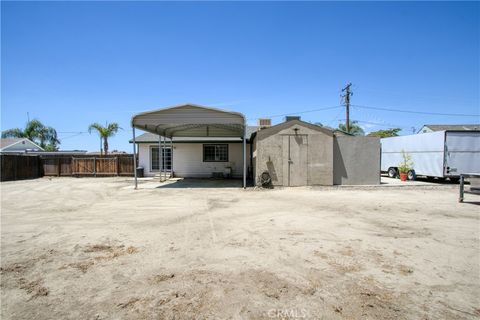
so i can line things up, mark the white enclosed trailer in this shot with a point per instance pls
(439, 154)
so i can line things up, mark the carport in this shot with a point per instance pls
(190, 120)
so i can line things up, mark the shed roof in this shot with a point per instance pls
(287, 124)
(191, 120)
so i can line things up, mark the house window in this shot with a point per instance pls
(155, 161)
(215, 153)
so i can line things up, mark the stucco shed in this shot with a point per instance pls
(297, 153)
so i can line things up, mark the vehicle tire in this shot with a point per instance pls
(454, 179)
(411, 175)
(392, 172)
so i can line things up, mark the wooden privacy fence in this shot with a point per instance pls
(57, 166)
(17, 167)
(88, 166)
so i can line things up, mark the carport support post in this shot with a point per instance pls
(134, 158)
(164, 172)
(244, 159)
(159, 153)
(171, 157)
(160, 159)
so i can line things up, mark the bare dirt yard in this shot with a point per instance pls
(96, 249)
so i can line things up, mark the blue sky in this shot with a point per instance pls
(73, 63)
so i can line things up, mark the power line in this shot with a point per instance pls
(387, 125)
(71, 136)
(335, 118)
(417, 112)
(381, 124)
(299, 112)
(72, 131)
(403, 94)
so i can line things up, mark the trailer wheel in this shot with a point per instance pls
(411, 175)
(392, 172)
(454, 179)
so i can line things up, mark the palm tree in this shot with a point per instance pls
(48, 134)
(37, 132)
(106, 132)
(355, 129)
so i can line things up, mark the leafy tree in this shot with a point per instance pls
(50, 147)
(106, 132)
(44, 136)
(385, 133)
(355, 129)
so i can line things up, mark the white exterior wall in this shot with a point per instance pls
(188, 160)
(144, 158)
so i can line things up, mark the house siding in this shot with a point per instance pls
(188, 160)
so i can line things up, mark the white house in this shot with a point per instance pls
(194, 157)
(196, 141)
(16, 145)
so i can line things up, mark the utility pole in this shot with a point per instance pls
(346, 96)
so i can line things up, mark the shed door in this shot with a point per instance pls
(295, 169)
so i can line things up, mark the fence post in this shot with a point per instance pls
(94, 166)
(462, 185)
(15, 167)
(118, 165)
(39, 167)
(59, 169)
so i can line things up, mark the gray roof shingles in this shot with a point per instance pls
(5, 142)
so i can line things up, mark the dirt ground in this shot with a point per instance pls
(96, 249)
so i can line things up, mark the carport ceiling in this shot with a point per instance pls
(190, 120)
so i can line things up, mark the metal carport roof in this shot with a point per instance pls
(191, 120)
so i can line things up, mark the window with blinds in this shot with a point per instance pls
(215, 153)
